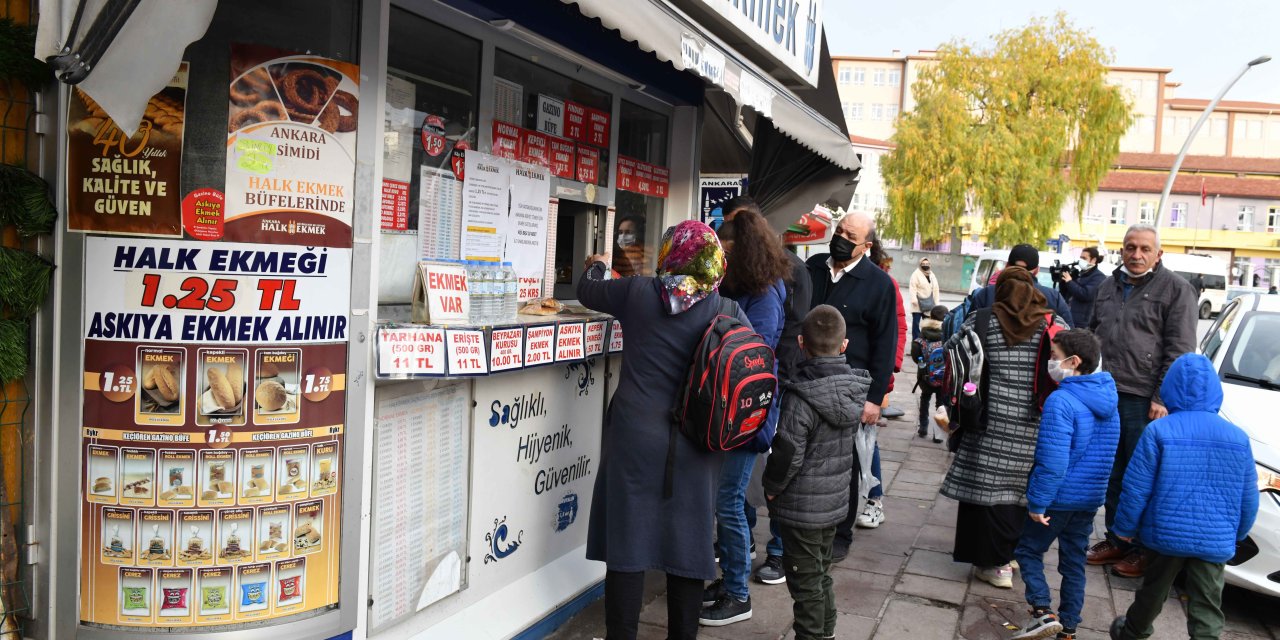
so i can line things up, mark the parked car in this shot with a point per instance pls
(1211, 271)
(1244, 345)
(992, 261)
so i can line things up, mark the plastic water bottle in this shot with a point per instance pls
(491, 300)
(510, 292)
(476, 287)
(484, 292)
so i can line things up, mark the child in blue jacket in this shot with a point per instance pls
(1190, 494)
(1079, 431)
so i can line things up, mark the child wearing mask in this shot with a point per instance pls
(1079, 432)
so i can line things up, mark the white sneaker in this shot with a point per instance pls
(1001, 576)
(872, 515)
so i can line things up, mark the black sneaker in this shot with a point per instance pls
(713, 592)
(839, 551)
(726, 610)
(771, 571)
(1117, 627)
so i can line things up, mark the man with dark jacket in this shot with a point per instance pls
(1145, 317)
(1081, 291)
(807, 477)
(1025, 256)
(865, 296)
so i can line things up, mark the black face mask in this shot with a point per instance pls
(842, 249)
(924, 268)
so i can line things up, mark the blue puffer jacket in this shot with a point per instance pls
(1191, 489)
(766, 311)
(1079, 431)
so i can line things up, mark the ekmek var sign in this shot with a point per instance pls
(787, 30)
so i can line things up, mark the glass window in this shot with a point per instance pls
(1093, 215)
(1178, 215)
(891, 111)
(847, 109)
(1244, 218)
(1272, 265)
(1213, 338)
(846, 74)
(1218, 128)
(1147, 212)
(1254, 129)
(1273, 130)
(877, 78)
(855, 112)
(1117, 211)
(859, 76)
(877, 112)
(894, 77)
(519, 82)
(637, 226)
(1243, 268)
(1255, 353)
(1273, 219)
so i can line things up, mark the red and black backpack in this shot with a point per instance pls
(729, 388)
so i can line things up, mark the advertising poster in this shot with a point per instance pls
(537, 433)
(127, 185)
(291, 141)
(506, 214)
(397, 151)
(213, 426)
(713, 193)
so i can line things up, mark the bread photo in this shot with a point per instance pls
(268, 370)
(163, 378)
(102, 485)
(271, 396)
(220, 388)
(235, 376)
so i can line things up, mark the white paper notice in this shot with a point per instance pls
(420, 498)
(439, 214)
(530, 214)
(398, 122)
(486, 205)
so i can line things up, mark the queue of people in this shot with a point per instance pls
(1129, 406)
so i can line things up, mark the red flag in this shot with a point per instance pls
(1204, 195)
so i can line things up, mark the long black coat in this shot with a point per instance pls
(632, 527)
(868, 301)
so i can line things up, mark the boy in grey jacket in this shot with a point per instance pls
(809, 470)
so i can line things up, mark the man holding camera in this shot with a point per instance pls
(1079, 284)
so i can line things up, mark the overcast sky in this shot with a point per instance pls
(1204, 41)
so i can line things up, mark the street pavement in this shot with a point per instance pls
(899, 581)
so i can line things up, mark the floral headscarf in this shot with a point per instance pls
(691, 265)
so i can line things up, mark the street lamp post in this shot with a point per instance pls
(1177, 162)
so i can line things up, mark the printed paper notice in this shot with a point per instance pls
(439, 214)
(486, 202)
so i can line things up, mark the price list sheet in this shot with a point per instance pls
(422, 448)
(439, 214)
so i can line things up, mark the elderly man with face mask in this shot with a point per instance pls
(1145, 317)
(863, 293)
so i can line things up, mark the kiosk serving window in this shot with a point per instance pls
(641, 189)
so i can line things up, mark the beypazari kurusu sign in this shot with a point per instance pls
(214, 408)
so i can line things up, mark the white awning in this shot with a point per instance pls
(664, 30)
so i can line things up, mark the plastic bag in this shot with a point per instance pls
(864, 442)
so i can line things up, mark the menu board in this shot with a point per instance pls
(127, 185)
(419, 527)
(643, 177)
(291, 140)
(397, 152)
(214, 403)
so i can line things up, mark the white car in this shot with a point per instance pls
(1244, 345)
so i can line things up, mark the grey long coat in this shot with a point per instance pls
(632, 527)
(812, 460)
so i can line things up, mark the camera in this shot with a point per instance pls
(1057, 269)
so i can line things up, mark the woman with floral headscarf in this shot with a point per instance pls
(633, 527)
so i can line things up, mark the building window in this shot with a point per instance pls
(859, 76)
(877, 78)
(1273, 219)
(1272, 265)
(1218, 128)
(846, 74)
(893, 77)
(877, 112)
(1093, 215)
(1146, 124)
(891, 111)
(1243, 269)
(1117, 211)
(1178, 215)
(855, 111)
(847, 109)
(1147, 212)
(1273, 130)
(1244, 219)
(1253, 129)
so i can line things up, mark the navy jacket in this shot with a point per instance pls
(796, 307)
(1191, 488)
(765, 311)
(986, 297)
(1079, 431)
(1080, 293)
(868, 301)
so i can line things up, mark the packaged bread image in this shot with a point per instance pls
(161, 383)
(223, 390)
(275, 392)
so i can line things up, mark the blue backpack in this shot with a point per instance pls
(955, 318)
(933, 362)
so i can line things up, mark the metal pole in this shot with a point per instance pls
(1177, 162)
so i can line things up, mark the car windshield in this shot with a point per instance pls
(1256, 351)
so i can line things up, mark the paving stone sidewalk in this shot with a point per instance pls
(899, 581)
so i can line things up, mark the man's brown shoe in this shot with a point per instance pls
(1105, 553)
(1132, 566)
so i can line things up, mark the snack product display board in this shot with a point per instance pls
(213, 422)
(291, 138)
(125, 185)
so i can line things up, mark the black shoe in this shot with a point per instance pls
(892, 413)
(726, 610)
(771, 571)
(713, 592)
(937, 440)
(920, 433)
(839, 551)
(1117, 626)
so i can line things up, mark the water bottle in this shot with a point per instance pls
(489, 305)
(475, 286)
(510, 292)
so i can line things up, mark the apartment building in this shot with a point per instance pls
(1225, 201)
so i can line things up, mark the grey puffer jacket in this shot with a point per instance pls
(1143, 330)
(809, 470)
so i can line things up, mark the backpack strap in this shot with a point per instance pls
(982, 322)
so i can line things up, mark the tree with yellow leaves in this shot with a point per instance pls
(1010, 132)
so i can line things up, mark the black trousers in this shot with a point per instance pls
(986, 536)
(623, 595)
(844, 530)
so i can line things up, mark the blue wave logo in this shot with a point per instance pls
(499, 548)
(586, 377)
